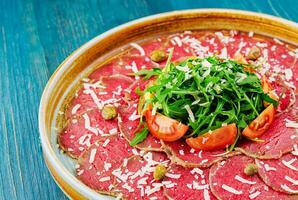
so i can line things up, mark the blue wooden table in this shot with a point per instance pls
(35, 36)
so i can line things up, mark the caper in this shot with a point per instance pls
(159, 172)
(250, 169)
(109, 112)
(254, 53)
(158, 55)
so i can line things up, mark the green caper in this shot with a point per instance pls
(250, 169)
(158, 55)
(159, 172)
(109, 112)
(254, 53)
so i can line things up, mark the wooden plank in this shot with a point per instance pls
(23, 75)
(35, 37)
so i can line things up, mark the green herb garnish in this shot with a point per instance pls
(139, 137)
(216, 91)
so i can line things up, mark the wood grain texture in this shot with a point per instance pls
(35, 36)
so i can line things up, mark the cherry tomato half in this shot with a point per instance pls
(163, 127)
(217, 139)
(258, 126)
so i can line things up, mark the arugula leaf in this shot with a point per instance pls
(139, 92)
(249, 80)
(139, 137)
(268, 99)
(148, 73)
(217, 90)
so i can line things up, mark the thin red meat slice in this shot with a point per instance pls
(125, 65)
(96, 164)
(131, 94)
(149, 46)
(278, 139)
(181, 154)
(211, 40)
(135, 179)
(181, 48)
(106, 69)
(187, 183)
(281, 174)
(129, 128)
(78, 136)
(108, 90)
(228, 181)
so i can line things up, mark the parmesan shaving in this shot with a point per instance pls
(126, 186)
(241, 179)
(177, 41)
(139, 48)
(291, 124)
(94, 98)
(106, 142)
(196, 186)
(125, 161)
(295, 151)
(289, 163)
(286, 188)
(103, 179)
(107, 166)
(291, 180)
(254, 195)
(92, 155)
(175, 176)
(113, 131)
(80, 172)
(196, 170)
(231, 190)
(75, 109)
(134, 116)
(190, 113)
(206, 195)
(268, 168)
(88, 125)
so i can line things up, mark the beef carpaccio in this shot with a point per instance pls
(102, 119)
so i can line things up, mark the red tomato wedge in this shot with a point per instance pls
(163, 127)
(217, 139)
(258, 126)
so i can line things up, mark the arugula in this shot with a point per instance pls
(217, 91)
(139, 137)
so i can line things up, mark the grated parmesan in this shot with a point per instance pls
(254, 195)
(231, 190)
(241, 179)
(268, 168)
(175, 176)
(134, 116)
(295, 151)
(190, 113)
(291, 124)
(103, 179)
(289, 163)
(107, 166)
(206, 195)
(75, 109)
(291, 180)
(196, 170)
(113, 131)
(139, 48)
(286, 188)
(106, 142)
(88, 124)
(92, 155)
